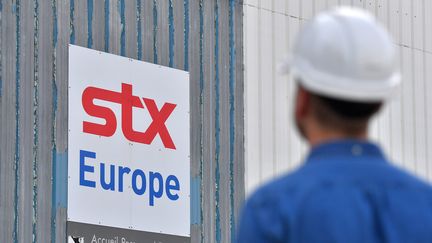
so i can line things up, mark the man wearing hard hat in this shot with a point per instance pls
(345, 67)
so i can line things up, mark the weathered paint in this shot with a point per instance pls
(139, 30)
(195, 201)
(1, 66)
(155, 30)
(171, 33)
(217, 122)
(203, 37)
(123, 28)
(72, 12)
(36, 112)
(186, 36)
(106, 24)
(17, 120)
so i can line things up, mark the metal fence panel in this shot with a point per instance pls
(202, 37)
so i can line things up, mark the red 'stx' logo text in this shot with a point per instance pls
(127, 101)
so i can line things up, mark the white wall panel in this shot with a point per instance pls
(266, 94)
(417, 27)
(358, 3)
(382, 11)
(371, 6)
(406, 13)
(419, 102)
(267, 5)
(403, 127)
(320, 6)
(252, 104)
(428, 132)
(307, 8)
(280, 47)
(293, 7)
(280, 6)
(427, 23)
(331, 3)
(346, 2)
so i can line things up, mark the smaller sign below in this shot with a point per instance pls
(88, 233)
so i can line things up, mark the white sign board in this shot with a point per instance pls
(128, 152)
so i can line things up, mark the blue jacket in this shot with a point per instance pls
(346, 192)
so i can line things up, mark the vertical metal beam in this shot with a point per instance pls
(130, 25)
(147, 30)
(98, 22)
(237, 111)
(25, 118)
(114, 28)
(60, 111)
(208, 119)
(7, 119)
(45, 219)
(178, 33)
(162, 31)
(194, 45)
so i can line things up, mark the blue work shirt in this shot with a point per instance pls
(345, 192)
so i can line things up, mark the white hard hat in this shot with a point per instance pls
(346, 54)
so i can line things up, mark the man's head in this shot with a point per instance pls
(345, 65)
(321, 118)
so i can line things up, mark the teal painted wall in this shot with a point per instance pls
(204, 37)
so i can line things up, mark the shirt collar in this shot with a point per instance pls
(345, 148)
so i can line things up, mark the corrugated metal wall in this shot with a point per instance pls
(204, 37)
(404, 127)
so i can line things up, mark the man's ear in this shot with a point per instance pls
(302, 103)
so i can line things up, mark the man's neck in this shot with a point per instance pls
(320, 136)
